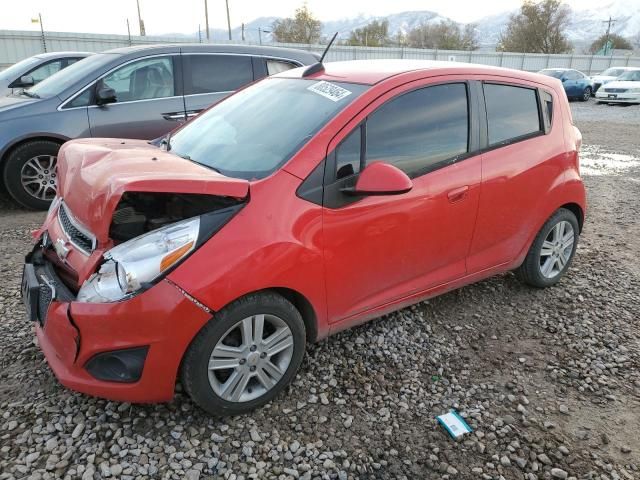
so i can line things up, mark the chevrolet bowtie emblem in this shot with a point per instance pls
(61, 248)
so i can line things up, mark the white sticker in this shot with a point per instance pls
(329, 90)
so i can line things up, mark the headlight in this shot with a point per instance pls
(136, 263)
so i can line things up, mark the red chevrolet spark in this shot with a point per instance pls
(302, 205)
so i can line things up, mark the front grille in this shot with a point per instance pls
(615, 90)
(81, 239)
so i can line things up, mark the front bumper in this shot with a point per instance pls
(162, 319)
(624, 97)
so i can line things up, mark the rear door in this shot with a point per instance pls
(522, 162)
(385, 248)
(209, 77)
(149, 100)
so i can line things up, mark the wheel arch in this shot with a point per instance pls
(577, 211)
(17, 142)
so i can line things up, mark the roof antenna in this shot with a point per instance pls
(319, 67)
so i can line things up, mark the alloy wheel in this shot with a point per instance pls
(557, 249)
(587, 94)
(38, 177)
(250, 358)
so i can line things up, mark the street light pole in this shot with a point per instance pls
(44, 41)
(206, 18)
(228, 20)
(140, 21)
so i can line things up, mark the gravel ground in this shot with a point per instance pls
(548, 380)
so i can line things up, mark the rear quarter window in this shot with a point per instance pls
(512, 112)
(216, 73)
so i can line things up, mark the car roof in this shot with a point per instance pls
(371, 72)
(276, 52)
(63, 54)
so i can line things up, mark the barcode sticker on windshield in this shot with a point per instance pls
(329, 90)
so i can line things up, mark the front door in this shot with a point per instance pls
(384, 248)
(148, 101)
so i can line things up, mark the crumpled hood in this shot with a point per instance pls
(602, 78)
(94, 173)
(628, 84)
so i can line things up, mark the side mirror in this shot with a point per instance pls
(26, 81)
(105, 95)
(563, 79)
(380, 178)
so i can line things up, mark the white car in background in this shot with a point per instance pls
(624, 89)
(608, 75)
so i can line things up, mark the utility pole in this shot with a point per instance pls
(260, 35)
(199, 34)
(128, 32)
(206, 19)
(44, 40)
(140, 21)
(243, 32)
(606, 40)
(228, 20)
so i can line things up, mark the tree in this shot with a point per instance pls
(446, 35)
(375, 34)
(538, 28)
(302, 28)
(616, 42)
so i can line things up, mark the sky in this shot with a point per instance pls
(183, 16)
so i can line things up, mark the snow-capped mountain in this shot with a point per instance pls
(586, 25)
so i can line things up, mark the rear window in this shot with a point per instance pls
(512, 112)
(216, 73)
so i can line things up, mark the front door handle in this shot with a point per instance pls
(458, 194)
(193, 113)
(174, 116)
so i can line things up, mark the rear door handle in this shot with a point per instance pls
(458, 194)
(174, 116)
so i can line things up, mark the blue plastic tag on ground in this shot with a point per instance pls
(454, 424)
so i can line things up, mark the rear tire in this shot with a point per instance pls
(29, 172)
(552, 251)
(231, 368)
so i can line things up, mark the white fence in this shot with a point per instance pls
(16, 45)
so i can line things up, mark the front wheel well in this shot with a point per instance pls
(577, 211)
(19, 143)
(304, 307)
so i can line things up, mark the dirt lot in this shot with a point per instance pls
(549, 380)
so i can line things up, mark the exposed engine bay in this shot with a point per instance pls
(141, 212)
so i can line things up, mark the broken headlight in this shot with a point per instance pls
(136, 263)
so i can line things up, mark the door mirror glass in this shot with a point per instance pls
(105, 95)
(380, 178)
(26, 81)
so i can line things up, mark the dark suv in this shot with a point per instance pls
(137, 92)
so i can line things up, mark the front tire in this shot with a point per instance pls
(245, 356)
(30, 173)
(552, 251)
(586, 94)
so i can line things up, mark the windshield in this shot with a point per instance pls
(612, 72)
(17, 70)
(552, 73)
(59, 82)
(630, 76)
(252, 133)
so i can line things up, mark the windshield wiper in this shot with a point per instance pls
(187, 157)
(29, 94)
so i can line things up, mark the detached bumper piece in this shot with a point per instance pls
(41, 286)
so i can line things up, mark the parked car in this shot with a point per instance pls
(609, 75)
(137, 92)
(298, 207)
(33, 70)
(624, 89)
(576, 84)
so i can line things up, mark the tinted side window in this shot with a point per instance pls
(547, 110)
(348, 155)
(512, 112)
(143, 79)
(216, 73)
(277, 66)
(418, 130)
